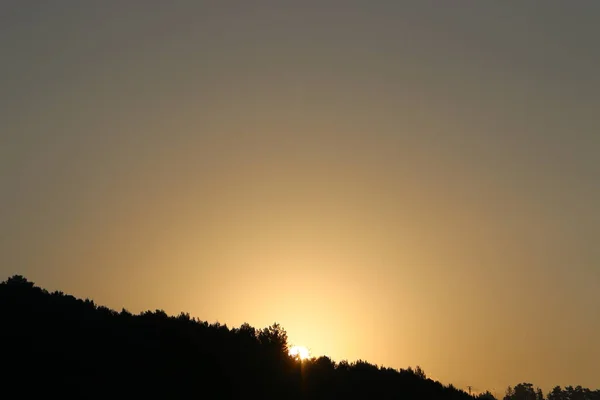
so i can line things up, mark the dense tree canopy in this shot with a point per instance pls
(55, 344)
(526, 391)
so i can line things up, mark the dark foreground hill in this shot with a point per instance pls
(55, 344)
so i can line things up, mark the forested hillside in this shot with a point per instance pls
(56, 344)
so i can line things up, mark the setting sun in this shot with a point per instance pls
(263, 190)
(300, 351)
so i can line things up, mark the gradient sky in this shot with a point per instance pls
(409, 183)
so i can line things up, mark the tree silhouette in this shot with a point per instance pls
(55, 345)
(526, 391)
(522, 391)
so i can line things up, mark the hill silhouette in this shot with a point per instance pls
(56, 344)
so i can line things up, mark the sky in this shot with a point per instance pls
(403, 182)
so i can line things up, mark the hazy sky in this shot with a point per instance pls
(409, 183)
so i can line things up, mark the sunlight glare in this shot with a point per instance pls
(300, 351)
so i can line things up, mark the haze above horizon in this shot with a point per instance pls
(404, 182)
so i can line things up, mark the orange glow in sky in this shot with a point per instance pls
(389, 181)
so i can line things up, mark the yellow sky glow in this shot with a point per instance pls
(393, 182)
